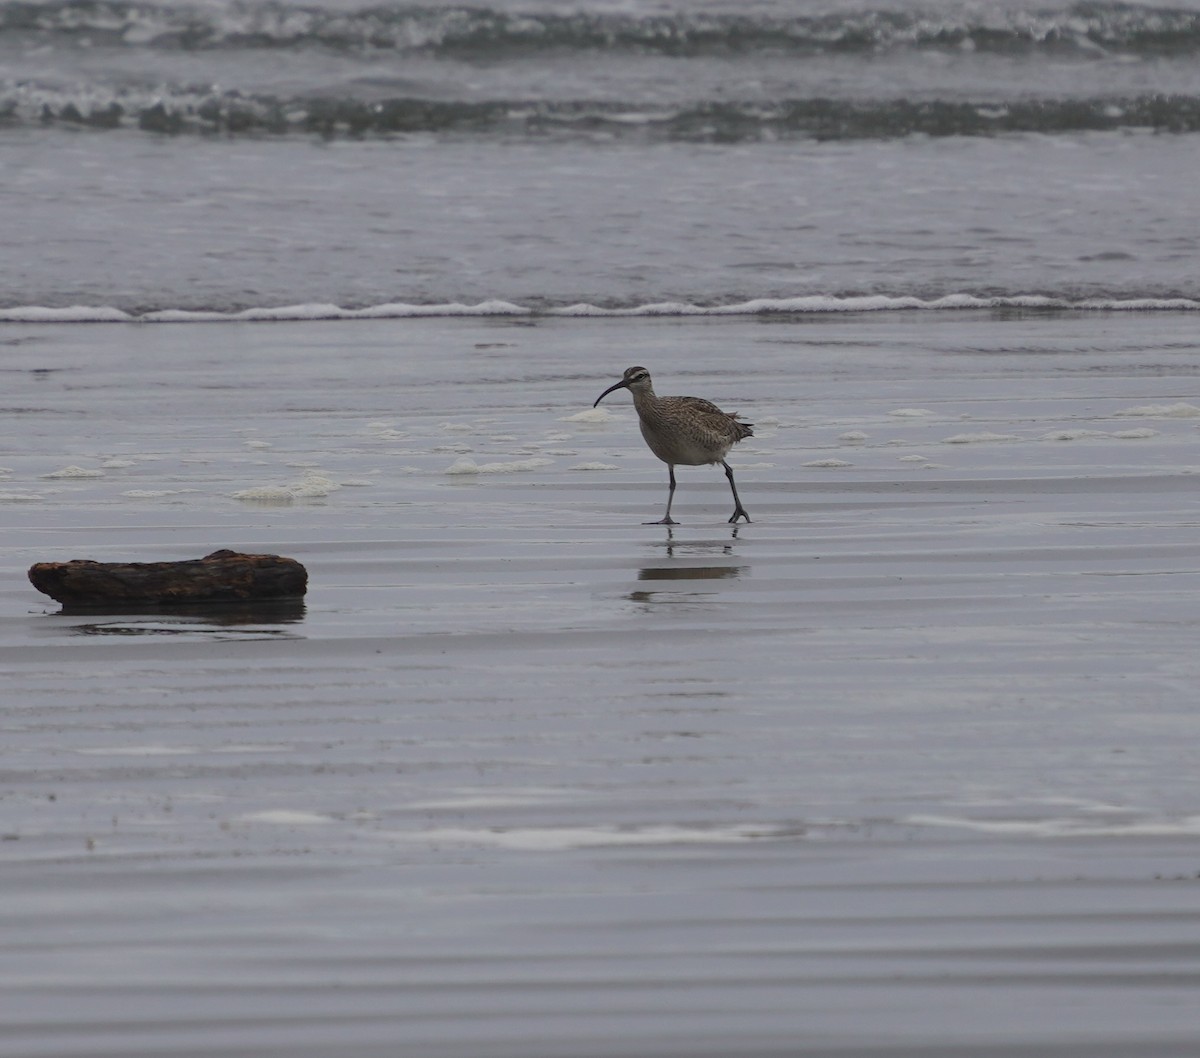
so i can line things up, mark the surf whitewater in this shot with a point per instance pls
(277, 69)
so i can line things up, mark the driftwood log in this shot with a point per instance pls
(222, 577)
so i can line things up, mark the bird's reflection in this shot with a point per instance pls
(677, 571)
(699, 546)
(689, 572)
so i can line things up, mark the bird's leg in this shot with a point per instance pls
(667, 519)
(738, 510)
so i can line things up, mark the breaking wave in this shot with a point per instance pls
(481, 31)
(133, 50)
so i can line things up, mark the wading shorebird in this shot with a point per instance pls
(688, 431)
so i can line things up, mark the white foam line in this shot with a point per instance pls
(1052, 828)
(546, 839)
(496, 307)
(284, 817)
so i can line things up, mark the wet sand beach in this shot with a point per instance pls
(906, 766)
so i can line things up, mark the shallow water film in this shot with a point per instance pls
(907, 755)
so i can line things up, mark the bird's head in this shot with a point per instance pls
(635, 378)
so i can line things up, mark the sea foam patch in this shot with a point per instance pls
(383, 431)
(1064, 826)
(313, 486)
(984, 437)
(1180, 410)
(1072, 435)
(468, 466)
(286, 817)
(591, 415)
(74, 472)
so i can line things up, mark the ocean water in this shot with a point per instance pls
(225, 157)
(904, 767)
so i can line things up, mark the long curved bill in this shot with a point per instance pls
(623, 384)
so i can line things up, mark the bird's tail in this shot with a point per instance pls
(744, 429)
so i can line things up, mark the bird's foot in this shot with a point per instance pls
(739, 513)
(665, 521)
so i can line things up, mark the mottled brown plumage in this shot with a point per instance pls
(688, 431)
